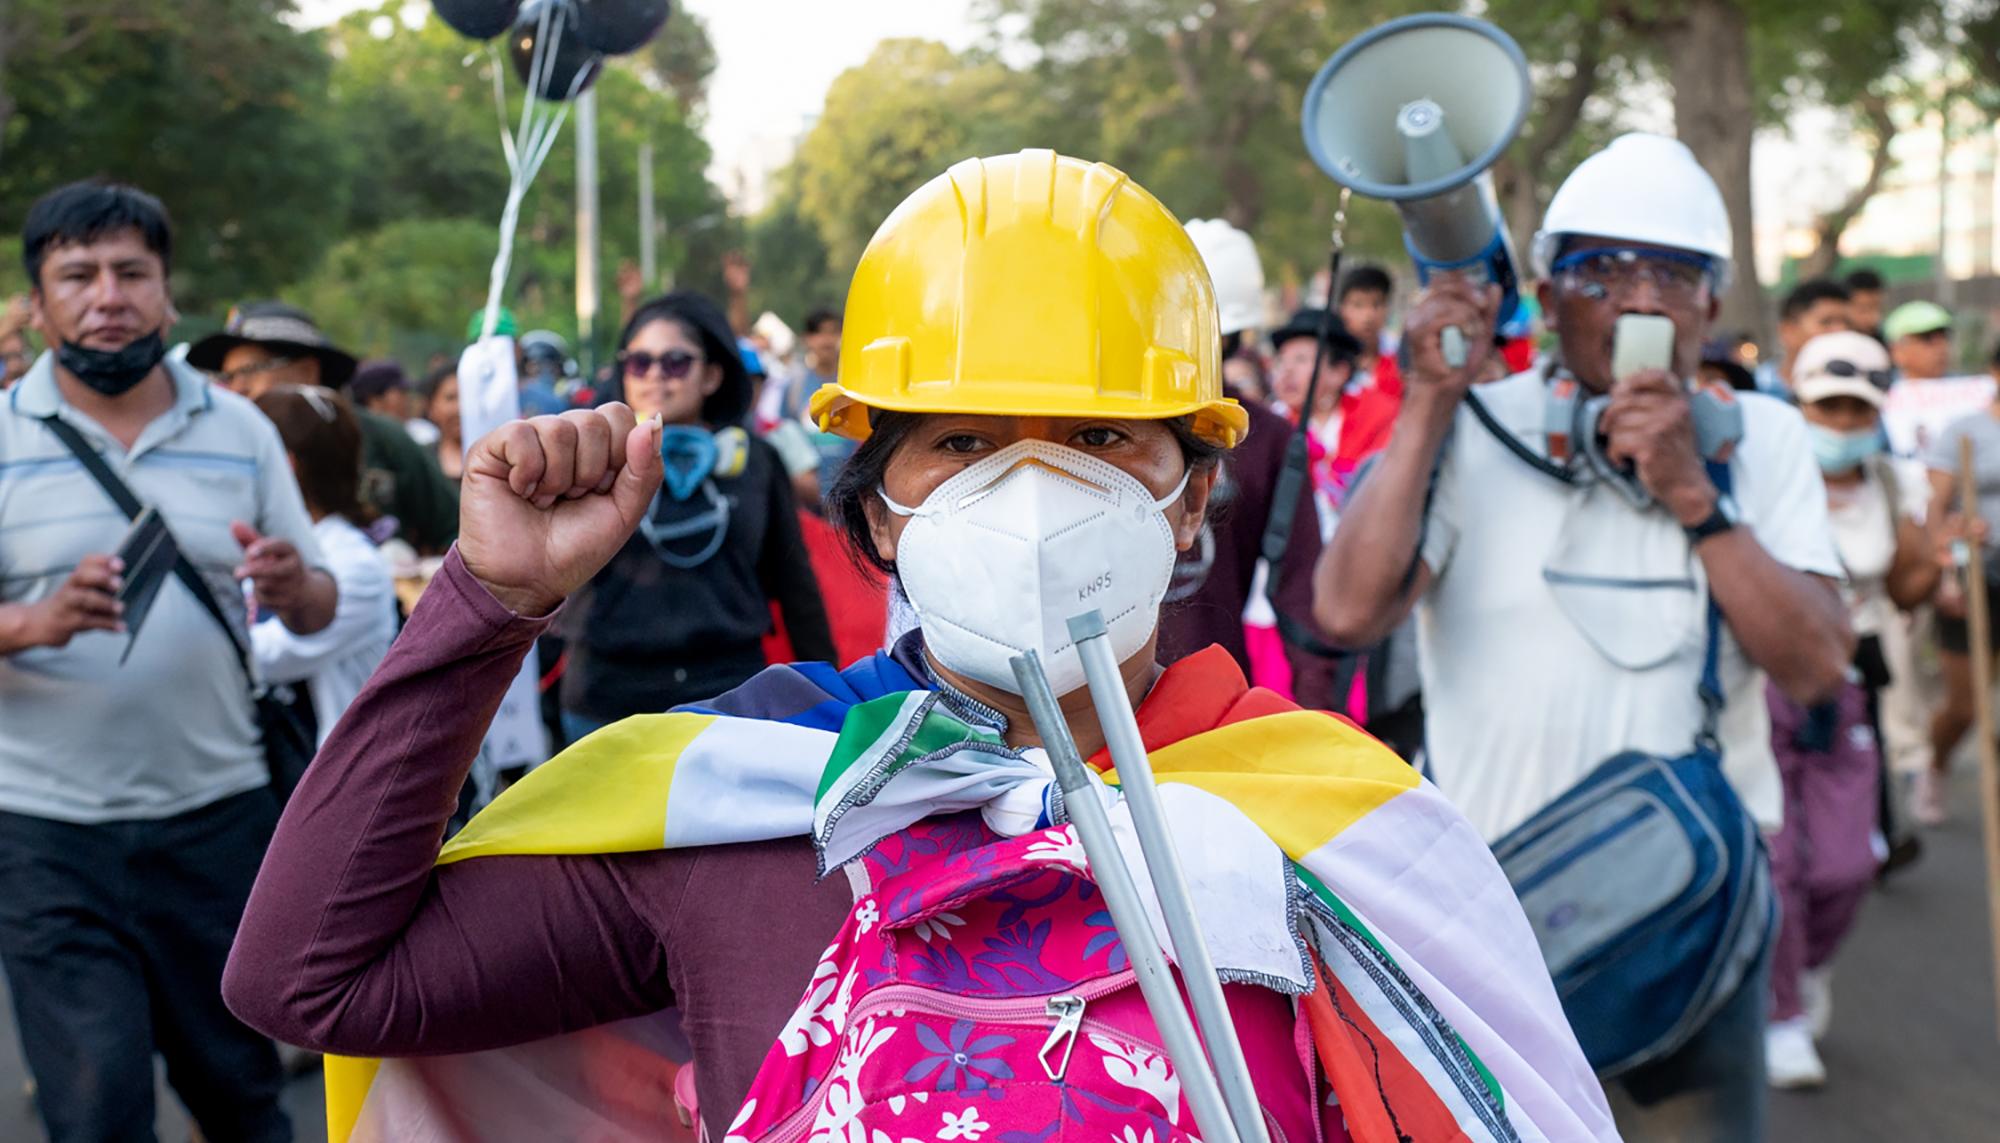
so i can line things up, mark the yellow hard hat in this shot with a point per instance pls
(1031, 285)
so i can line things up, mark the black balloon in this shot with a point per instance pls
(572, 56)
(477, 19)
(615, 27)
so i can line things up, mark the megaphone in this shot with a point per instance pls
(1414, 111)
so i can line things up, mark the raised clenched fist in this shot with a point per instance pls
(548, 501)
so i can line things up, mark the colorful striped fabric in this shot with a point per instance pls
(1386, 912)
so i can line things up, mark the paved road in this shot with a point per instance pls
(1914, 1052)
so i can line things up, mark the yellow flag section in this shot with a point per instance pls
(606, 794)
(1301, 776)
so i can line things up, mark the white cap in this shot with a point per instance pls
(1235, 269)
(1856, 355)
(1641, 188)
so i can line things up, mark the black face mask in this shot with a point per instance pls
(113, 371)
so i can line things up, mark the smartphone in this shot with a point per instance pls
(149, 553)
(1641, 342)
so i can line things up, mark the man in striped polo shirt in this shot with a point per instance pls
(134, 799)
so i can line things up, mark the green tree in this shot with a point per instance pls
(421, 129)
(791, 274)
(1730, 68)
(401, 290)
(898, 120)
(681, 59)
(206, 103)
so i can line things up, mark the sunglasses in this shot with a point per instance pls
(674, 363)
(1880, 378)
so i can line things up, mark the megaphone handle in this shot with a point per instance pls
(1451, 343)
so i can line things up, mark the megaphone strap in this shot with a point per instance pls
(1513, 443)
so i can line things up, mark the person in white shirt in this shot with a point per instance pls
(1824, 860)
(1533, 672)
(323, 440)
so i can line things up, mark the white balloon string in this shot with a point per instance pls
(500, 110)
(527, 139)
(529, 147)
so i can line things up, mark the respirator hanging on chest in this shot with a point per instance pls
(1572, 424)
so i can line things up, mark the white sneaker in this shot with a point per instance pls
(1927, 798)
(1816, 997)
(1790, 1060)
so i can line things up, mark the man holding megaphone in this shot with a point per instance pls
(1605, 563)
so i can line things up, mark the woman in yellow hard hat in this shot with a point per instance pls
(1030, 367)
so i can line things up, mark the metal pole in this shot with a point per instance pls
(1121, 897)
(586, 232)
(1135, 780)
(649, 237)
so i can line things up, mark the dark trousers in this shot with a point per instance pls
(113, 939)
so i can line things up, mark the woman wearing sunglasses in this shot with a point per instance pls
(681, 612)
(1829, 758)
(1033, 386)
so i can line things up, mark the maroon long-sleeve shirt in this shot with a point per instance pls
(355, 943)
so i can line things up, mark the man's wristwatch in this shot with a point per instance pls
(1720, 519)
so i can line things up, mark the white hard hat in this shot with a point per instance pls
(1233, 266)
(1641, 188)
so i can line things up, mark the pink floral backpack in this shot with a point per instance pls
(979, 992)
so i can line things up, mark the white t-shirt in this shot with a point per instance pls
(337, 659)
(1524, 689)
(1864, 533)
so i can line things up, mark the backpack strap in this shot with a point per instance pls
(122, 496)
(1710, 687)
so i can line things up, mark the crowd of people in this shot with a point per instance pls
(1535, 574)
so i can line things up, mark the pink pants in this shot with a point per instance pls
(1823, 860)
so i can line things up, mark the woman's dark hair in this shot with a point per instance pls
(428, 387)
(82, 213)
(1994, 360)
(860, 479)
(702, 322)
(322, 432)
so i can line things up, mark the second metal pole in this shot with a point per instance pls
(1135, 780)
(1128, 912)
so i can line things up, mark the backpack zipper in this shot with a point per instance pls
(1067, 1011)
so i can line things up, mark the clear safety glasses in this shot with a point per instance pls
(1611, 271)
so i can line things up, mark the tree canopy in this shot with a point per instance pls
(1199, 101)
(355, 169)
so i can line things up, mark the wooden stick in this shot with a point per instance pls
(1979, 628)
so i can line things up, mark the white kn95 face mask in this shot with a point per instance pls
(1001, 556)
